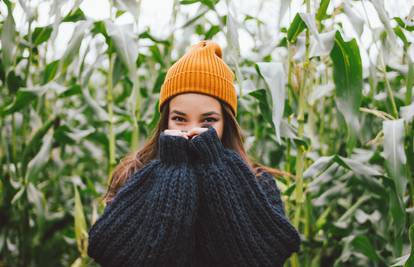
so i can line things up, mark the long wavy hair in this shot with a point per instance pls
(232, 138)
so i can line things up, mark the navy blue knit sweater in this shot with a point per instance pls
(197, 204)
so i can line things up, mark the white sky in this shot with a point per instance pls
(156, 14)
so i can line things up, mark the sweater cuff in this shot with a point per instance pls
(207, 146)
(172, 148)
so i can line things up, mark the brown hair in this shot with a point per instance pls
(232, 138)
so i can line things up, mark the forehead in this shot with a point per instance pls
(193, 103)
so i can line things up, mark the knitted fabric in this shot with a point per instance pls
(200, 207)
(240, 223)
(150, 222)
(200, 70)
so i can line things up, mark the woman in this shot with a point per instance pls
(191, 196)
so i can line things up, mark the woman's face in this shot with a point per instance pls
(191, 110)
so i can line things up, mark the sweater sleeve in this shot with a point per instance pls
(272, 191)
(150, 220)
(242, 225)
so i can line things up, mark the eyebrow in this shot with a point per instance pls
(204, 114)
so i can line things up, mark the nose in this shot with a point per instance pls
(188, 127)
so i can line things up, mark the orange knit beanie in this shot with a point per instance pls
(200, 70)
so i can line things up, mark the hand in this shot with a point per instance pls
(186, 134)
(176, 133)
(196, 131)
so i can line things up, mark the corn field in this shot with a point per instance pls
(325, 94)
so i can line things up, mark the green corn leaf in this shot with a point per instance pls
(41, 35)
(394, 153)
(347, 74)
(274, 75)
(80, 224)
(295, 28)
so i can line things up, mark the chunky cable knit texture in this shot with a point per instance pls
(151, 220)
(197, 204)
(241, 222)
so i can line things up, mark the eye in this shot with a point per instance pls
(176, 117)
(211, 119)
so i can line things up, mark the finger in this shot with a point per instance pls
(196, 131)
(175, 133)
(171, 132)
